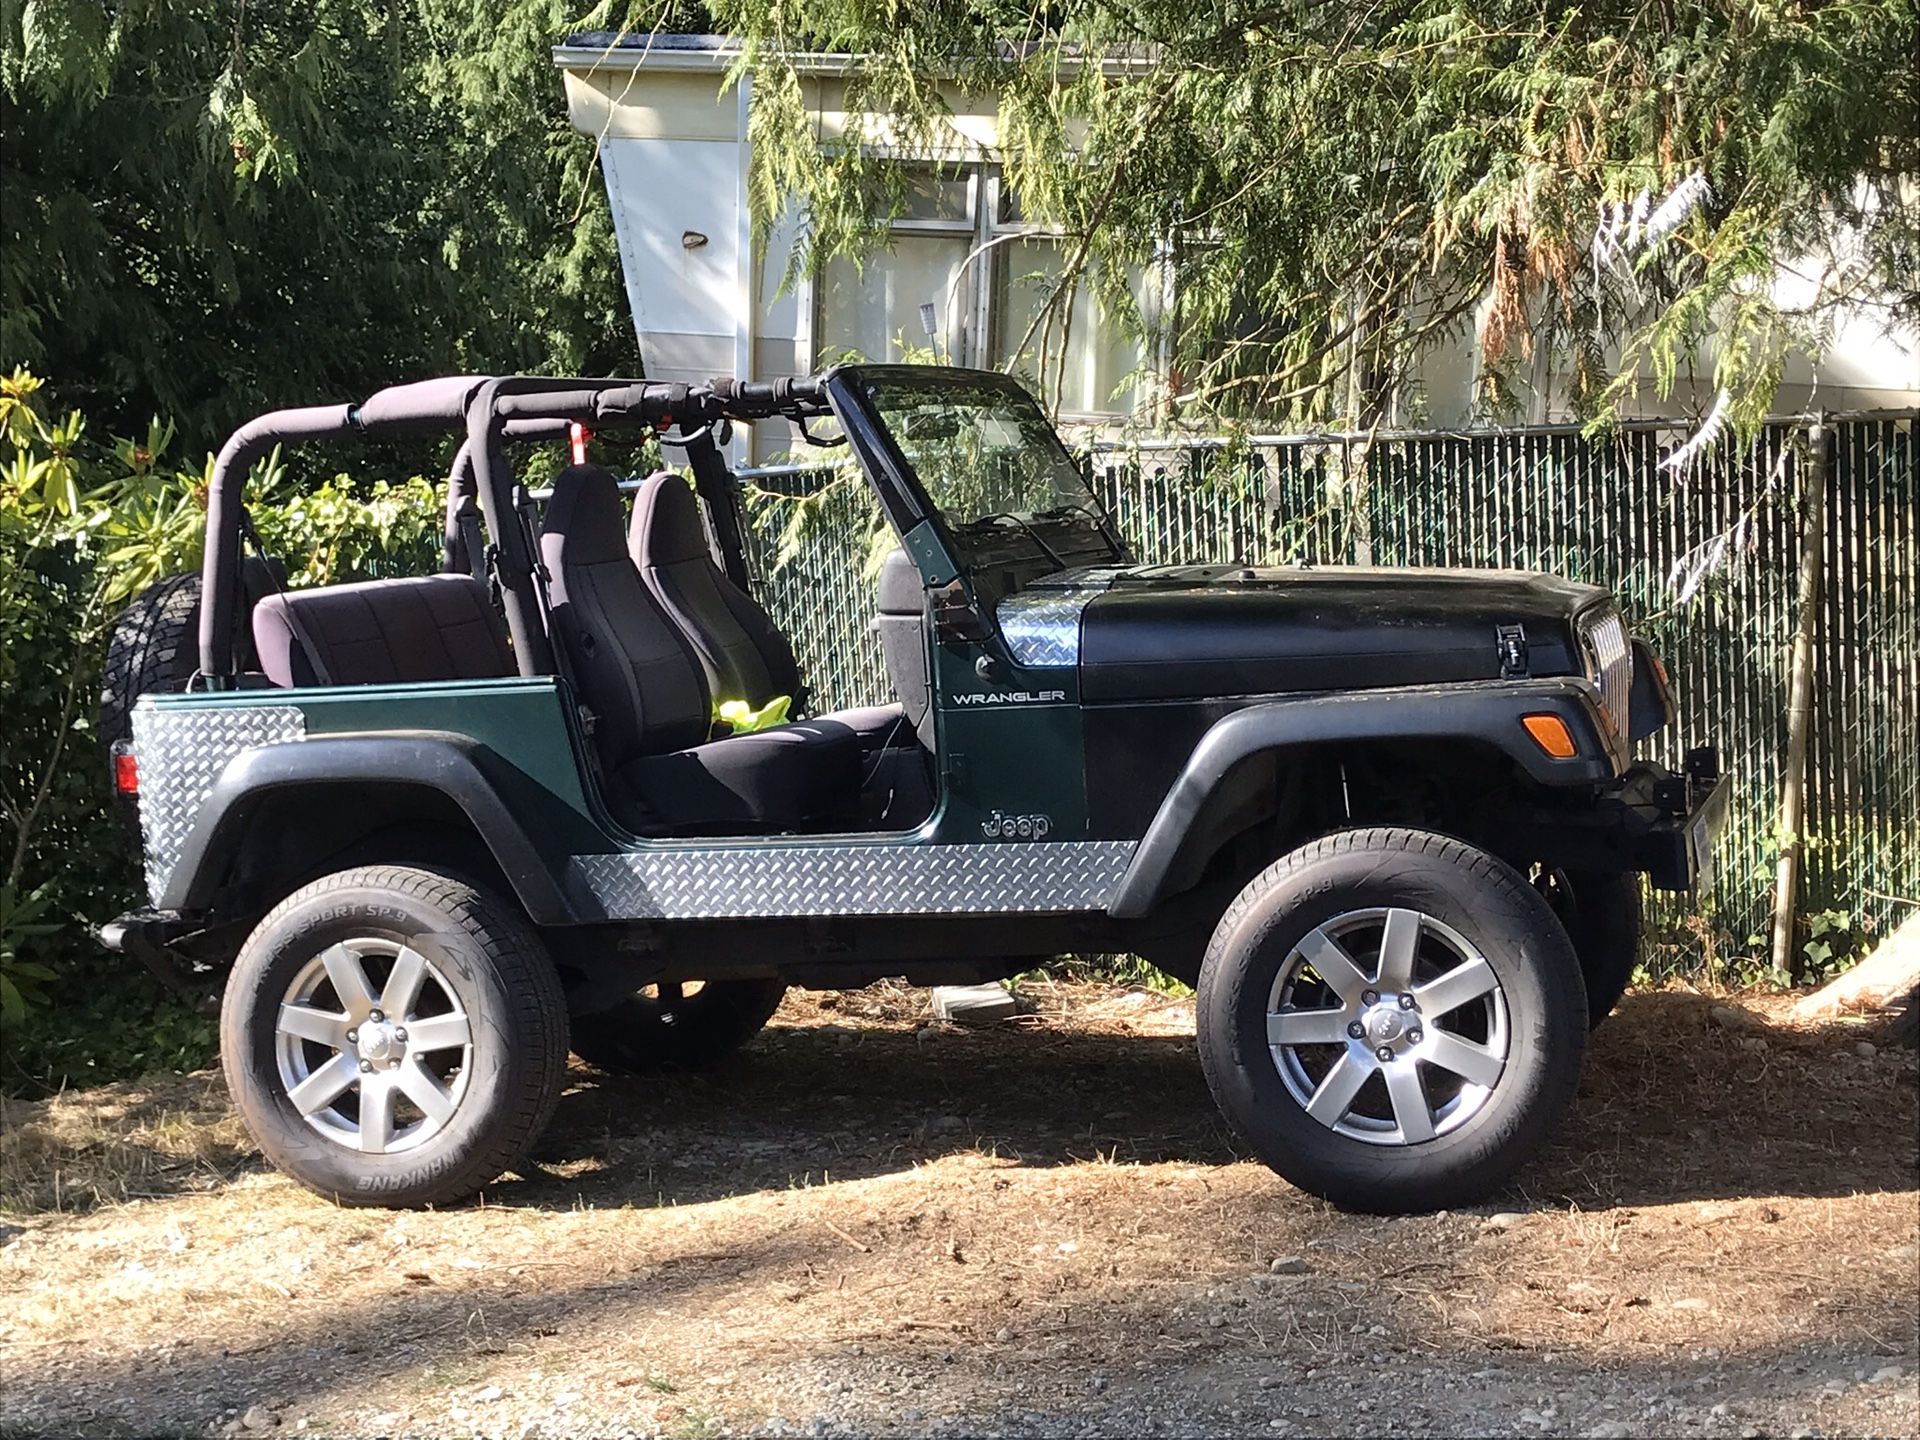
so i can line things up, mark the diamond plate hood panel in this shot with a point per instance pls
(181, 752)
(754, 882)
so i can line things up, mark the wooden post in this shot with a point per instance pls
(1793, 780)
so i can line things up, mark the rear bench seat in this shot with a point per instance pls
(400, 631)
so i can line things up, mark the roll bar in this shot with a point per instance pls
(489, 410)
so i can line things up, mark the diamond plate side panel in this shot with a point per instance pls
(1042, 627)
(181, 754)
(856, 880)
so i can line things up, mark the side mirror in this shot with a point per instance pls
(955, 617)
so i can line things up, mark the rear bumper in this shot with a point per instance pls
(155, 938)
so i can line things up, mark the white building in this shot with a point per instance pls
(707, 296)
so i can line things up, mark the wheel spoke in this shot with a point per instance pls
(1398, 945)
(402, 989)
(1410, 1109)
(1307, 1027)
(439, 1032)
(1333, 965)
(419, 1086)
(348, 972)
(1473, 1063)
(1334, 1097)
(376, 1114)
(1461, 985)
(310, 1024)
(324, 1086)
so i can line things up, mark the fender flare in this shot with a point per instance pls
(1195, 810)
(455, 766)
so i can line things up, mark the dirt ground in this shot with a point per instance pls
(869, 1222)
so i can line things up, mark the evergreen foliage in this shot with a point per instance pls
(1331, 186)
(213, 207)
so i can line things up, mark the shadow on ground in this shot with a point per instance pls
(1673, 1106)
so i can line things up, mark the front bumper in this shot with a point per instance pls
(1651, 819)
(1676, 850)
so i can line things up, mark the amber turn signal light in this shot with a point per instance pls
(1550, 733)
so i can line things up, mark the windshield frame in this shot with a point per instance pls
(892, 469)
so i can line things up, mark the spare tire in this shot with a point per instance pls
(154, 645)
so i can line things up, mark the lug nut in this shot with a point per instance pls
(1357, 1030)
(1406, 1002)
(1370, 997)
(376, 1015)
(352, 1035)
(1385, 1052)
(394, 1063)
(400, 1035)
(1414, 1037)
(366, 1066)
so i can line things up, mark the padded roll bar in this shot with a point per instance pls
(491, 410)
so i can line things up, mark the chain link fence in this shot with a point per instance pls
(1704, 557)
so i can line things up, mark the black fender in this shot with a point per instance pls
(1197, 811)
(455, 766)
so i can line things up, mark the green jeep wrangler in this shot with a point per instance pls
(437, 830)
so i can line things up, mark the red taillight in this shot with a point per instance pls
(126, 770)
(578, 435)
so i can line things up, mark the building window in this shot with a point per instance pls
(962, 256)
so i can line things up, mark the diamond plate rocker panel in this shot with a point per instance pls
(749, 883)
(181, 754)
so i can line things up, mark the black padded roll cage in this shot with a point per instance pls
(490, 411)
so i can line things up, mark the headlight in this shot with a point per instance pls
(1609, 661)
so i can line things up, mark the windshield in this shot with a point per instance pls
(980, 446)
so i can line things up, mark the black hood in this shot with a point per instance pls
(1191, 631)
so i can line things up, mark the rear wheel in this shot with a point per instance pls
(394, 1037)
(1391, 1019)
(676, 1025)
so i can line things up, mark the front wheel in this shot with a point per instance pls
(1601, 913)
(394, 1037)
(1392, 1020)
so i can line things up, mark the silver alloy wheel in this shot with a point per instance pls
(1388, 1026)
(373, 1047)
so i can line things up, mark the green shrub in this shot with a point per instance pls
(85, 526)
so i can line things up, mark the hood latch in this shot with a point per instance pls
(1510, 642)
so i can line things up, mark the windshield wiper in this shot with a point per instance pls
(1025, 528)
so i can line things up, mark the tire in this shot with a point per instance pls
(490, 1098)
(154, 646)
(1437, 1139)
(673, 1030)
(1601, 913)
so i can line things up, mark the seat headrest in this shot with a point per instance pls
(666, 523)
(584, 514)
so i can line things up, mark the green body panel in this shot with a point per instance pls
(524, 723)
(1017, 752)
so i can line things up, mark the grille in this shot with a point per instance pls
(1603, 636)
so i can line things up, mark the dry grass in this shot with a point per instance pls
(963, 1222)
(88, 1148)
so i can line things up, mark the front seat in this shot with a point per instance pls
(653, 712)
(741, 651)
